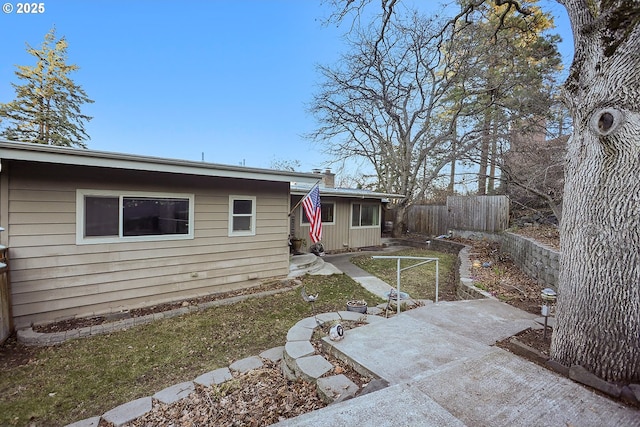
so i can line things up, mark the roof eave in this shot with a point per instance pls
(103, 159)
(352, 195)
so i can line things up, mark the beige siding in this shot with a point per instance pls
(54, 278)
(339, 235)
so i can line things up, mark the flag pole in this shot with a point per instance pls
(305, 196)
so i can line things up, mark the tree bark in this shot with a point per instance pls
(598, 312)
(400, 220)
(484, 154)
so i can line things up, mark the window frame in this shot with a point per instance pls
(81, 239)
(360, 219)
(252, 215)
(322, 205)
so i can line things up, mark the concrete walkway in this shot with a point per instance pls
(364, 278)
(445, 371)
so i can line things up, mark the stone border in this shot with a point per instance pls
(300, 360)
(330, 389)
(130, 411)
(28, 336)
(465, 289)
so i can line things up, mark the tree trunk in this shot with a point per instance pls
(484, 154)
(491, 184)
(452, 179)
(486, 142)
(598, 312)
(400, 220)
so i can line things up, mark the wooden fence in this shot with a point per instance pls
(6, 319)
(428, 219)
(474, 213)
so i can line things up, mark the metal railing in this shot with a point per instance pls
(399, 270)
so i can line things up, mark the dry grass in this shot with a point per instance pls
(87, 377)
(419, 282)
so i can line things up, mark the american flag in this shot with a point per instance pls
(311, 205)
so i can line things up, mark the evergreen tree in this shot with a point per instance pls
(47, 106)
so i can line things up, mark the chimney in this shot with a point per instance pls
(329, 179)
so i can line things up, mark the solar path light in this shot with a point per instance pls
(548, 297)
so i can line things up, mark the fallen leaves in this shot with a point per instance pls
(256, 398)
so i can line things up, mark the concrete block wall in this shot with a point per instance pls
(538, 261)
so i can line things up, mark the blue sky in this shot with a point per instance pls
(230, 79)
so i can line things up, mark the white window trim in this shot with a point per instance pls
(251, 232)
(361, 227)
(306, 224)
(82, 240)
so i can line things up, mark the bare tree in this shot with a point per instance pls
(534, 169)
(597, 325)
(385, 102)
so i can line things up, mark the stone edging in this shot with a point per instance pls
(300, 361)
(330, 389)
(28, 336)
(130, 411)
(465, 289)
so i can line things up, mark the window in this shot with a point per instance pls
(365, 215)
(326, 212)
(242, 216)
(107, 217)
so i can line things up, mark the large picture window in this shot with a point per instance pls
(365, 215)
(106, 217)
(242, 216)
(326, 212)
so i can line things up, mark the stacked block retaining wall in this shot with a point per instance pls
(538, 261)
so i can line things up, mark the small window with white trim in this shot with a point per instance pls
(242, 216)
(326, 211)
(109, 217)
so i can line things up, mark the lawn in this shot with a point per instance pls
(419, 282)
(87, 377)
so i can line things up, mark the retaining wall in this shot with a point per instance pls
(538, 261)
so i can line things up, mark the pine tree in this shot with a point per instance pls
(47, 106)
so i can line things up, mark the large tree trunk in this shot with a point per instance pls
(598, 319)
(400, 219)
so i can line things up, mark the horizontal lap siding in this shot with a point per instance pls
(339, 234)
(53, 278)
(362, 237)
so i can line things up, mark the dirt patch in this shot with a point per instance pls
(13, 354)
(534, 338)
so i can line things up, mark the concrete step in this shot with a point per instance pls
(305, 264)
(336, 388)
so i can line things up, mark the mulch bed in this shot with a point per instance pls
(76, 323)
(256, 398)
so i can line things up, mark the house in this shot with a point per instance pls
(351, 218)
(92, 233)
